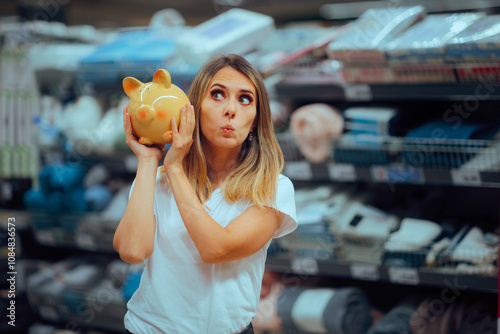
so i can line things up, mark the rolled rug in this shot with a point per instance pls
(313, 127)
(396, 321)
(334, 311)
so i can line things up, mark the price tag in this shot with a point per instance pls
(379, 173)
(299, 170)
(6, 191)
(342, 172)
(465, 178)
(366, 272)
(308, 266)
(131, 163)
(86, 241)
(361, 92)
(404, 275)
(405, 175)
(46, 238)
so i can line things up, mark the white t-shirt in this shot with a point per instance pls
(179, 293)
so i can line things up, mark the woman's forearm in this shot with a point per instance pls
(134, 236)
(209, 237)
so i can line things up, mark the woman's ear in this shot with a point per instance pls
(254, 124)
(130, 85)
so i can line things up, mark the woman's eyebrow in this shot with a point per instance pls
(218, 85)
(248, 91)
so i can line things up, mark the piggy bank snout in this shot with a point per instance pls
(145, 112)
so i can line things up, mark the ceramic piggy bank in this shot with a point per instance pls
(152, 106)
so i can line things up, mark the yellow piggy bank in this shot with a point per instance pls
(152, 106)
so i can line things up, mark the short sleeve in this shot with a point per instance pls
(285, 202)
(131, 188)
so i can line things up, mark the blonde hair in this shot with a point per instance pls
(255, 175)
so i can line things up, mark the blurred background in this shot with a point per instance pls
(387, 116)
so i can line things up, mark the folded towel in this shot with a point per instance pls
(396, 321)
(339, 311)
(413, 234)
(473, 249)
(363, 220)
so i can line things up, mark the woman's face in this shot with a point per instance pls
(228, 110)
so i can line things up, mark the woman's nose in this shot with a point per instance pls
(231, 109)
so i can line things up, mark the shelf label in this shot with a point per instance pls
(86, 241)
(378, 173)
(342, 172)
(366, 272)
(465, 178)
(407, 276)
(308, 266)
(359, 92)
(46, 237)
(399, 174)
(405, 175)
(298, 170)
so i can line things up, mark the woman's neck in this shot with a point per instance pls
(220, 163)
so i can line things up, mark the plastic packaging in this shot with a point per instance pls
(426, 40)
(478, 42)
(362, 42)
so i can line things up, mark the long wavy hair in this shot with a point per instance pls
(255, 175)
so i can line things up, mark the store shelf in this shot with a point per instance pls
(481, 90)
(399, 160)
(389, 174)
(87, 155)
(370, 272)
(82, 231)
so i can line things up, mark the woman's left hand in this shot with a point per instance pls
(182, 139)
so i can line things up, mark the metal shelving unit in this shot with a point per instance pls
(374, 273)
(480, 90)
(400, 160)
(466, 163)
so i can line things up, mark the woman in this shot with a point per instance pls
(203, 223)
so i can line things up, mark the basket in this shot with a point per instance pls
(311, 241)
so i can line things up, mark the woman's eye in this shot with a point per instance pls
(245, 99)
(217, 95)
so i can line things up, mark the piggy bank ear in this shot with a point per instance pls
(130, 85)
(162, 77)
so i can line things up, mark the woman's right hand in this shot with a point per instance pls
(142, 152)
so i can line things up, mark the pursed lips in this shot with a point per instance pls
(227, 129)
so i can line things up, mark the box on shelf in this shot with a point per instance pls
(133, 53)
(425, 41)
(362, 231)
(362, 42)
(480, 42)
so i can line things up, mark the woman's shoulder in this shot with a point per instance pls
(285, 186)
(283, 180)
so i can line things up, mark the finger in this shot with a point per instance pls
(191, 117)
(126, 123)
(173, 124)
(182, 121)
